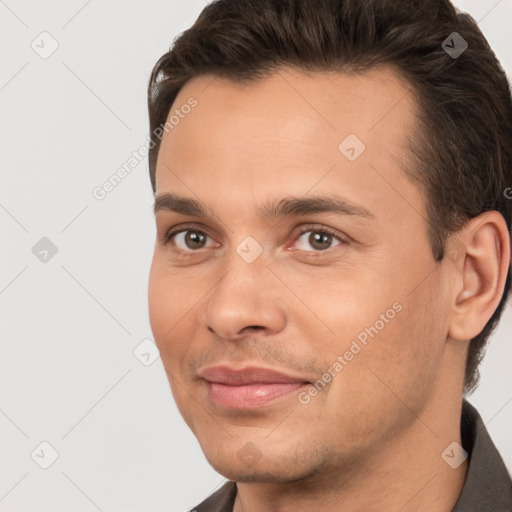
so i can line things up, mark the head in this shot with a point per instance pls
(335, 182)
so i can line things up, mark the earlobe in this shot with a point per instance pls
(480, 274)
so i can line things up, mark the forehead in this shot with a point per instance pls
(288, 131)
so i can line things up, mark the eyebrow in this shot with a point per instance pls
(286, 207)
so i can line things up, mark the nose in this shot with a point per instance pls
(245, 302)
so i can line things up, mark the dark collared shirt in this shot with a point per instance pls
(488, 487)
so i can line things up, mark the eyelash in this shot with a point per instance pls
(171, 233)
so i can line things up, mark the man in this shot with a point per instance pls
(332, 251)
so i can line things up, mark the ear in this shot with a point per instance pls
(480, 256)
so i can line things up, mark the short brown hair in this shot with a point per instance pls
(463, 158)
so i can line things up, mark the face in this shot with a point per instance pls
(293, 292)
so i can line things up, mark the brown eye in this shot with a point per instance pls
(190, 240)
(320, 241)
(317, 240)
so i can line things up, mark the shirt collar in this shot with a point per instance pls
(488, 485)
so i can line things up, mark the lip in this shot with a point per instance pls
(249, 387)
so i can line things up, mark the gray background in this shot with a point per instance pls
(69, 325)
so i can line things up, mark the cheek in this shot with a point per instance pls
(386, 377)
(341, 302)
(173, 303)
(167, 303)
(159, 302)
(377, 326)
(401, 361)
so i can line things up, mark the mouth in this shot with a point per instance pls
(249, 388)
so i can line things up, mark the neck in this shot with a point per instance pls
(406, 474)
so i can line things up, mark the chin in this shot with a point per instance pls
(250, 465)
(241, 474)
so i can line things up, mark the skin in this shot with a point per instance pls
(373, 439)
